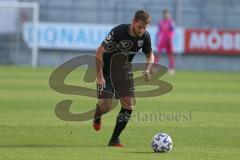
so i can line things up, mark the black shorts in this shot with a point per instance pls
(118, 85)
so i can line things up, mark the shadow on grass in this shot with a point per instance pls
(141, 152)
(47, 146)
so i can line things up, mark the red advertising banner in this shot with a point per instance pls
(225, 42)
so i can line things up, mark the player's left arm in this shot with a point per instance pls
(147, 50)
(149, 63)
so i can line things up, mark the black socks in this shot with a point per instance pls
(122, 120)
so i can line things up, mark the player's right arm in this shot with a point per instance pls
(105, 47)
(99, 64)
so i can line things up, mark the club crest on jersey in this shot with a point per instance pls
(140, 43)
(109, 37)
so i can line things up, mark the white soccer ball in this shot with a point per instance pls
(162, 143)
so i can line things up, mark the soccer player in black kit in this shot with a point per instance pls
(114, 72)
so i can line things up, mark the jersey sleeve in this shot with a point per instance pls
(110, 38)
(147, 45)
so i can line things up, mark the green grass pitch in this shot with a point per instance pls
(209, 101)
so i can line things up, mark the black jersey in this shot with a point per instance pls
(119, 40)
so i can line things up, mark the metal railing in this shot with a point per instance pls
(188, 13)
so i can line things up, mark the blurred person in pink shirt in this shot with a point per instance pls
(165, 39)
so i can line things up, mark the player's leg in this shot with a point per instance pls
(171, 64)
(103, 106)
(158, 54)
(161, 48)
(124, 88)
(123, 83)
(105, 95)
(123, 117)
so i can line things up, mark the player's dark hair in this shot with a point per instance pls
(142, 15)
